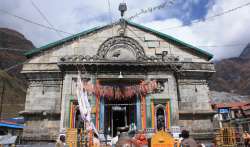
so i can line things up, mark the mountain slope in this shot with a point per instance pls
(225, 97)
(12, 46)
(12, 85)
(246, 52)
(12, 95)
(233, 74)
(13, 39)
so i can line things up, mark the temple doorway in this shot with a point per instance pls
(117, 109)
(119, 113)
(119, 118)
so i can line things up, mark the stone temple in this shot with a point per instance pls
(123, 54)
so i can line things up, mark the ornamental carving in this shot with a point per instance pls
(121, 48)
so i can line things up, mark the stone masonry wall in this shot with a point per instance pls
(195, 106)
(42, 110)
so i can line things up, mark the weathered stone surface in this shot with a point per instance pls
(53, 74)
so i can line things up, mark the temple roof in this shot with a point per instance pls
(95, 29)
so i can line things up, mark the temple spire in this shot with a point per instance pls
(122, 8)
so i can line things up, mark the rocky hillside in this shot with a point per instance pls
(12, 85)
(233, 74)
(12, 95)
(246, 52)
(13, 39)
(12, 46)
(225, 97)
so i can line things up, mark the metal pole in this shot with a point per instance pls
(2, 94)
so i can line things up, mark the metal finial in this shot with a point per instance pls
(122, 8)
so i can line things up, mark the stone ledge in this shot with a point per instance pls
(39, 113)
(203, 136)
(39, 139)
(198, 112)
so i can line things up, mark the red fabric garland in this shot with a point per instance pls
(118, 92)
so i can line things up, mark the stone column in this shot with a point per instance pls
(148, 112)
(102, 113)
(63, 104)
(138, 113)
(67, 94)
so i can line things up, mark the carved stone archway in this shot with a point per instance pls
(121, 48)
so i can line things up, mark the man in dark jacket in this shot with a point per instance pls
(187, 141)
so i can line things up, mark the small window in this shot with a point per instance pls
(225, 116)
(224, 113)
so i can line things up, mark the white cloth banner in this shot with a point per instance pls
(80, 98)
(84, 105)
(88, 107)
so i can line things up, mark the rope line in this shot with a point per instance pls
(33, 22)
(44, 17)
(210, 17)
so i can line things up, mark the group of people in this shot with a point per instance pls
(187, 141)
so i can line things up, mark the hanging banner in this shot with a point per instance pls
(121, 91)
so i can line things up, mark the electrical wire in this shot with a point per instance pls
(110, 16)
(179, 26)
(45, 26)
(57, 30)
(48, 27)
(209, 17)
(33, 22)
(207, 46)
(166, 3)
(171, 2)
(44, 17)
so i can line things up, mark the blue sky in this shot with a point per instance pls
(78, 15)
(185, 11)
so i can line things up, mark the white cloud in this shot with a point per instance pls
(231, 28)
(79, 15)
(68, 15)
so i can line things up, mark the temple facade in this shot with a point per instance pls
(145, 78)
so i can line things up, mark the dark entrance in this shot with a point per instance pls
(119, 113)
(119, 118)
(160, 118)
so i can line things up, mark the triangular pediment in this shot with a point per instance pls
(118, 52)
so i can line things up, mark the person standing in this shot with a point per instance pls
(187, 141)
(61, 141)
(96, 141)
(246, 138)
